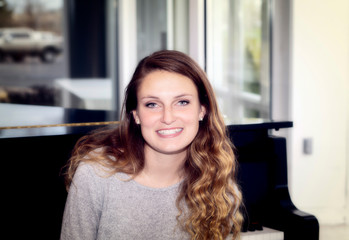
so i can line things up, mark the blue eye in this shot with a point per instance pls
(183, 102)
(151, 105)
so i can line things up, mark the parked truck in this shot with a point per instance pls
(18, 43)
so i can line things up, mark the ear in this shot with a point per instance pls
(135, 116)
(202, 112)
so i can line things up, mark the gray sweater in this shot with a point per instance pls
(101, 207)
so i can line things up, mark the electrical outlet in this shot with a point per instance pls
(308, 146)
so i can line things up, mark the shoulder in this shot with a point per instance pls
(98, 173)
(91, 170)
(84, 178)
(90, 184)
(99, 169)
(96, 162)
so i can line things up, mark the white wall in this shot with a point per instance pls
(319, 106)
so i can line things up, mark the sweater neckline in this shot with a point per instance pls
(124, 176)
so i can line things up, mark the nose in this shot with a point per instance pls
(168, 116)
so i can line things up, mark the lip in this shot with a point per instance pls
(169, 132)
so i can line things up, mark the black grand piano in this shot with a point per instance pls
(35, 143)
(262, 175)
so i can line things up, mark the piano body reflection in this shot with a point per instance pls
(34, 193)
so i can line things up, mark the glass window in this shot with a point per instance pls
(161, 25)
(237, 46)
(31, 51)
(238, 57)
(151, 26)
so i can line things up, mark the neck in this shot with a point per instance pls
(161, 170)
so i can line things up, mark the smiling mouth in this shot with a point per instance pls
(166, 132)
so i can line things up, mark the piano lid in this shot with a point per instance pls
(259, 124)
(19, 120)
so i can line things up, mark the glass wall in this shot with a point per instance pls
(238, 57)
(229, 38)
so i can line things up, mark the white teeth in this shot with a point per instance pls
(170, 131)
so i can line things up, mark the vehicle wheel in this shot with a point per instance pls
(18, 58)
(2, 56)
(48, 56)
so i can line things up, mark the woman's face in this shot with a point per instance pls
(168, 112)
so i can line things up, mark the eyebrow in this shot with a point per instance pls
(176, 97)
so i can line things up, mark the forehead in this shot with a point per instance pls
(163, 83)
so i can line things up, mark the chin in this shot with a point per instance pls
(171, 150)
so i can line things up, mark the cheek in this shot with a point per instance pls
(191, 122)
(191, 116)
(147, 118)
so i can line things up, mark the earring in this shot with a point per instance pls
(137, 121)
(201, 118)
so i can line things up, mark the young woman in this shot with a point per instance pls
(166, 172)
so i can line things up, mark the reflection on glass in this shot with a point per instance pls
(162, 25)
(238, 56)
(151, 26)
(31, 51)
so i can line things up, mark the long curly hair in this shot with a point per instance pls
(209, 190)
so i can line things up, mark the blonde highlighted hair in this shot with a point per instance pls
(209, 190)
